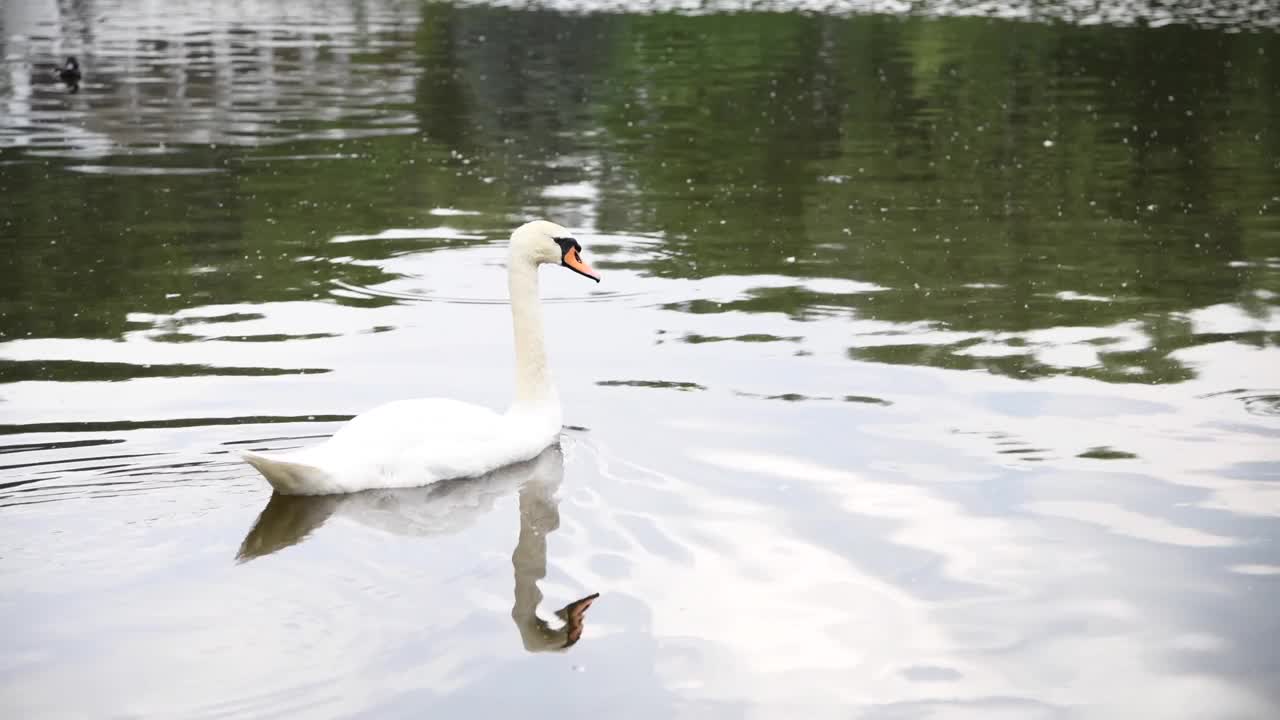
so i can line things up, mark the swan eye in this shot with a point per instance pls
(567, 244)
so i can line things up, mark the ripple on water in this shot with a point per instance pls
(1263, 403)
(666, 384)
(133, 170)
(1129, 523)
(93, 477)
(1155, 13)
(1105, 452)
(55, 462)
(442, 232)
(422, 296)
(464, 267)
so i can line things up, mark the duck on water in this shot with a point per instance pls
(69, 73)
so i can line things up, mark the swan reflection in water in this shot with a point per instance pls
(442, 508)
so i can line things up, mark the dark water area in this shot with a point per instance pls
(934, 372)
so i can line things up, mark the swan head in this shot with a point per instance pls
(546, 243)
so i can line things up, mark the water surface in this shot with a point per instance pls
(933, 373)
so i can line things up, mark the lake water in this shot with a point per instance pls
(934, 373)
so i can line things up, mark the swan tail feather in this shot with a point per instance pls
(289, 477)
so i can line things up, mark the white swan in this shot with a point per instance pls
(409, 443)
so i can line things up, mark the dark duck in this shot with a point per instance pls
(69, 73)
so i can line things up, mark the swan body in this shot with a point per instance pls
(410, 443)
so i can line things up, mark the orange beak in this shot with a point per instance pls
(573, 261)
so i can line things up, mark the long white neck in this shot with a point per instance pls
(533, 378)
